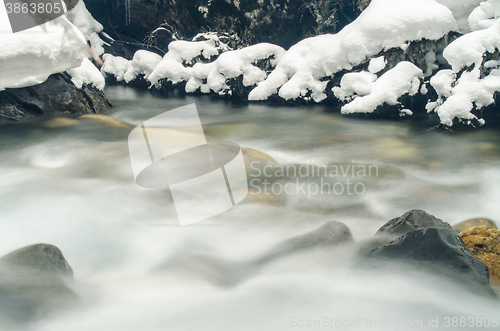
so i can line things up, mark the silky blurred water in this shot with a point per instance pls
(136, 269)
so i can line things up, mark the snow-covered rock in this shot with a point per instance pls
(87, 73)
(232, 64)
(461, 10)
(29, 57)
(379, 59)
(176, 65)
(466, 87)
(142, 64)
(388, 88)
(383, 25)
(115, 66)
(484, 15)
(83, 20)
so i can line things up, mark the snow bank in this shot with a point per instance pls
(143, 63)
(232, 64)
(461, 10)
(207, 64)
(87, 74)
(469, 91)
(484, 15)
(469, 48)
(404, 78)
(460, 92)
(29, 57)
(83, 20)
(383, 25)
(182, 55)
(116, 66)
(354, 84)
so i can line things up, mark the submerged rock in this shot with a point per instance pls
(330, 234)
(230, 273)
(430, 243)
(484, 243)
(57, 95)
(252, 155)
(104, 120)
(473, 222)
(33, 283)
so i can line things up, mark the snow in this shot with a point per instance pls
(442, 82)
(354, 83)
(484, 15)
(405, 112)
(208, 65)
(404, 78)
(181, 53)
(430, 62)
(87, 74)
(384, 24)
(376, 64)
(469, 48)
(461, 10)
(229, 64)
(460, 92)
(143, 63)
(116, 66)
(83, 20)
(232, 64)
(469, 91)
(29, 57)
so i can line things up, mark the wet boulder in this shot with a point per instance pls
(427, 242)
(57, 95)
(33, 283)
(413, 220)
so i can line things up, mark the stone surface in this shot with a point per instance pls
(473, 222)
(428, 242)
(104, 120)
(33, 283)
(484, 243)
(410, 221)
(229, 273)
(252, 155)
(57, 95)
(329, 234)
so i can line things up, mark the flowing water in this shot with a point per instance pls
(137, 269)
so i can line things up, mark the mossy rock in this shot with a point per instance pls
(484, 243)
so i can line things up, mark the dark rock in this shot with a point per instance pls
(57, 95)
(410, 221)
(428, 242)
(39, 257)
(282, 22)
(33, 283)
